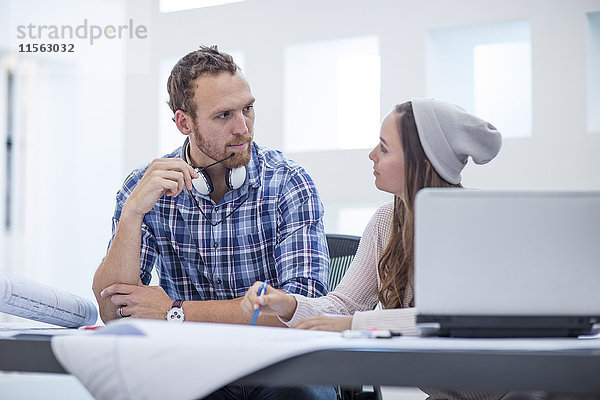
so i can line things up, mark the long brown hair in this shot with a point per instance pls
(396, 266)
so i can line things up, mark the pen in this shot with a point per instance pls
(261, 290)
(370, 334)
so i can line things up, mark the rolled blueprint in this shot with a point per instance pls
(33, 300)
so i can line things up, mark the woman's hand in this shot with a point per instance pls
(272, 302)
(325, 323)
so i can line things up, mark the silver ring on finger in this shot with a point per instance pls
(120, 312)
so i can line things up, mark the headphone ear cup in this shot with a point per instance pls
(236, 177)
(202, 183)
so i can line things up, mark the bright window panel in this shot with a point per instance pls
(500, 71)
(169, 137)
(593, 72)
(181, 5)
(332, 92)
(485, 69)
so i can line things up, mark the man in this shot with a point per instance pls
(211, 233)
(209, 248)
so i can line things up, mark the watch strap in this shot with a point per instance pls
(177, 304)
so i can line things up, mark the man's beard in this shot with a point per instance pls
(240, 158)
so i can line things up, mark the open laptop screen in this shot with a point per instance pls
(507, 263)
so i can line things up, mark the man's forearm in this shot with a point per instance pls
(121, 264)
(224, 311)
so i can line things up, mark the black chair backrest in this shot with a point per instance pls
(342, 249)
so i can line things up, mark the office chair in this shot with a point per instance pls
(342, 249)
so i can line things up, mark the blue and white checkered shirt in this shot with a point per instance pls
(269, 229)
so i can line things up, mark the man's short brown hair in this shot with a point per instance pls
(204, 61)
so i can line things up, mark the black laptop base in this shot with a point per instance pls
(505, 326)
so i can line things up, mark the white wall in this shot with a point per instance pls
(559, 154)
(68, 140)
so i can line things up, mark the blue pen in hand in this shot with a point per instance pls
(261, 290)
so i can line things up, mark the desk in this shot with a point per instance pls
(28, 355)
(572, 371)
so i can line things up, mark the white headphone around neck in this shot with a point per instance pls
(234, 178)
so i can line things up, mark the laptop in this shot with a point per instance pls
(496, 263)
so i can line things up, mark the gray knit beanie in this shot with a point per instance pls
(449, 136)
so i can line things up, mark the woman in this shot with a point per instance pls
(423, 143)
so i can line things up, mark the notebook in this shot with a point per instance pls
(494, 263)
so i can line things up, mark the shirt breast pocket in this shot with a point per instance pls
(254, 248)
(254, 259)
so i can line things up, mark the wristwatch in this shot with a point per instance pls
(175, 314)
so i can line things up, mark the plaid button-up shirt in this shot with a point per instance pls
(269, 229)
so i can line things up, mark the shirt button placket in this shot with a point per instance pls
(216, 234)
(216, 230)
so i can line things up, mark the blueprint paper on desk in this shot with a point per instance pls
(205, 356)
(119, 361)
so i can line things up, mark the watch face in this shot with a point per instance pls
(175, 314)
